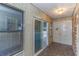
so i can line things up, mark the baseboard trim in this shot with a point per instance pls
(62, 43)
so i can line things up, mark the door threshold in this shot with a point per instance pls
(36, 54)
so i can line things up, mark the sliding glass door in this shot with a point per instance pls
(37, 35)
(41, 34)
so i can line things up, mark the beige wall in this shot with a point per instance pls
(38, 13)
(29, 12)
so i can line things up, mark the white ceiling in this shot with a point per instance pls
(49, 9)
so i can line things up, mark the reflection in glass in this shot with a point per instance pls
(11, 30)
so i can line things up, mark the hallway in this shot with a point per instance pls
(57, 49)
(35, 26)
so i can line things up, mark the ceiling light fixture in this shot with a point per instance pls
(60, 10)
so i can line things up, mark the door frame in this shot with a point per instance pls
(42, 20)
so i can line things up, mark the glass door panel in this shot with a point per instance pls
(37, 35)
(44, 34)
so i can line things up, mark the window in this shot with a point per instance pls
(11, 30)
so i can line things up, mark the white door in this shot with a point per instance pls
(62, 31)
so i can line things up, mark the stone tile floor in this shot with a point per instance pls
(57, 49)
